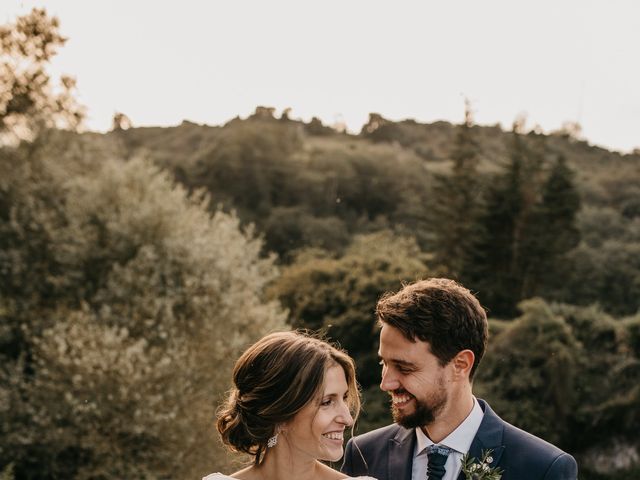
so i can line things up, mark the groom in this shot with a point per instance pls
(433, 336)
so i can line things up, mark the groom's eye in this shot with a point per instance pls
(403, 368)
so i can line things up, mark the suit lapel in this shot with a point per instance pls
(401, 449)
(489, 436)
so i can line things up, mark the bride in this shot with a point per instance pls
(292, 399)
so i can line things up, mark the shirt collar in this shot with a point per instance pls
(460, 439)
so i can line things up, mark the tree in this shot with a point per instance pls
(530, 371)
(526, 229)
(120, 122)
(124, 303)
(607, 274)
(379, 129)
(560, 369)
(457, 201)
(265, 113)
(571, 130)
(247, 166)
(550, 234)
(492, 265)
(7, 472)
(288, 229)
(317, 128)
(285, 116)
(29, 101)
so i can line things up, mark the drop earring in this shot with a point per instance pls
(273, 441)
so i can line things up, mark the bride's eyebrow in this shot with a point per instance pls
(335, 394)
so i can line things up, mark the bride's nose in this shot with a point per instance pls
(344, 416)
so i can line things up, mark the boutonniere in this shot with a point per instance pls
(480, 470)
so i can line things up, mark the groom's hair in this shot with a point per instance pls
(441, 312)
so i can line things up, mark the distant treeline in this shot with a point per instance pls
(511, 214)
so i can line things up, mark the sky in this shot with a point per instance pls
(208, 61)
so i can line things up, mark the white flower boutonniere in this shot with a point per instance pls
(480, 470)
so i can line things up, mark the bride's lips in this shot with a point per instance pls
(336, 437)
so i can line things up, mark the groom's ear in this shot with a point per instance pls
(462, 363)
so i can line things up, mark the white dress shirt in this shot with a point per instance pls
(459, 441)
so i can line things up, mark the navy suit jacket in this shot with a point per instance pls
(387, 453)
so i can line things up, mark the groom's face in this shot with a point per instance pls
(414, 378)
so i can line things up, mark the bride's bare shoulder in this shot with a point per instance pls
(331, 474)
(326, 473)
(248, 473)
(244, 474)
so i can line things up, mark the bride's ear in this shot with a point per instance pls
(281, 428)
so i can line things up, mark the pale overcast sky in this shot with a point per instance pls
(207, 61)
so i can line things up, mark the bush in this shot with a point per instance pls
(124, 304)
(529, 372)
(559, 370)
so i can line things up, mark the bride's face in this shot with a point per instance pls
(317, 430)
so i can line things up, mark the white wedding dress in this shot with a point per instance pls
(219, 476)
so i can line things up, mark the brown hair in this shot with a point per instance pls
(441, 312)
(272, 381)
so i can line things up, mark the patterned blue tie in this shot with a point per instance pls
(437, 457)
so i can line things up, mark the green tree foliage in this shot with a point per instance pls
(534, 362)
(29, 101)
(288, 229)
(379, 129)
(605, 265)
(286, 180)
(633, 328)
(124, 302)
(7, 472)
(120, 121)
(331, 187)
(550, 234)
(246, 167)
(492, 267)
(331, 175)
(315, 127)
(457, 201)
(561, 369)
(608, 386)
(527, 227)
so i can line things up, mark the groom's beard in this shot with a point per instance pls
(424, 413)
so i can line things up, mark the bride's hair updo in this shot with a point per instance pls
(272, 381)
